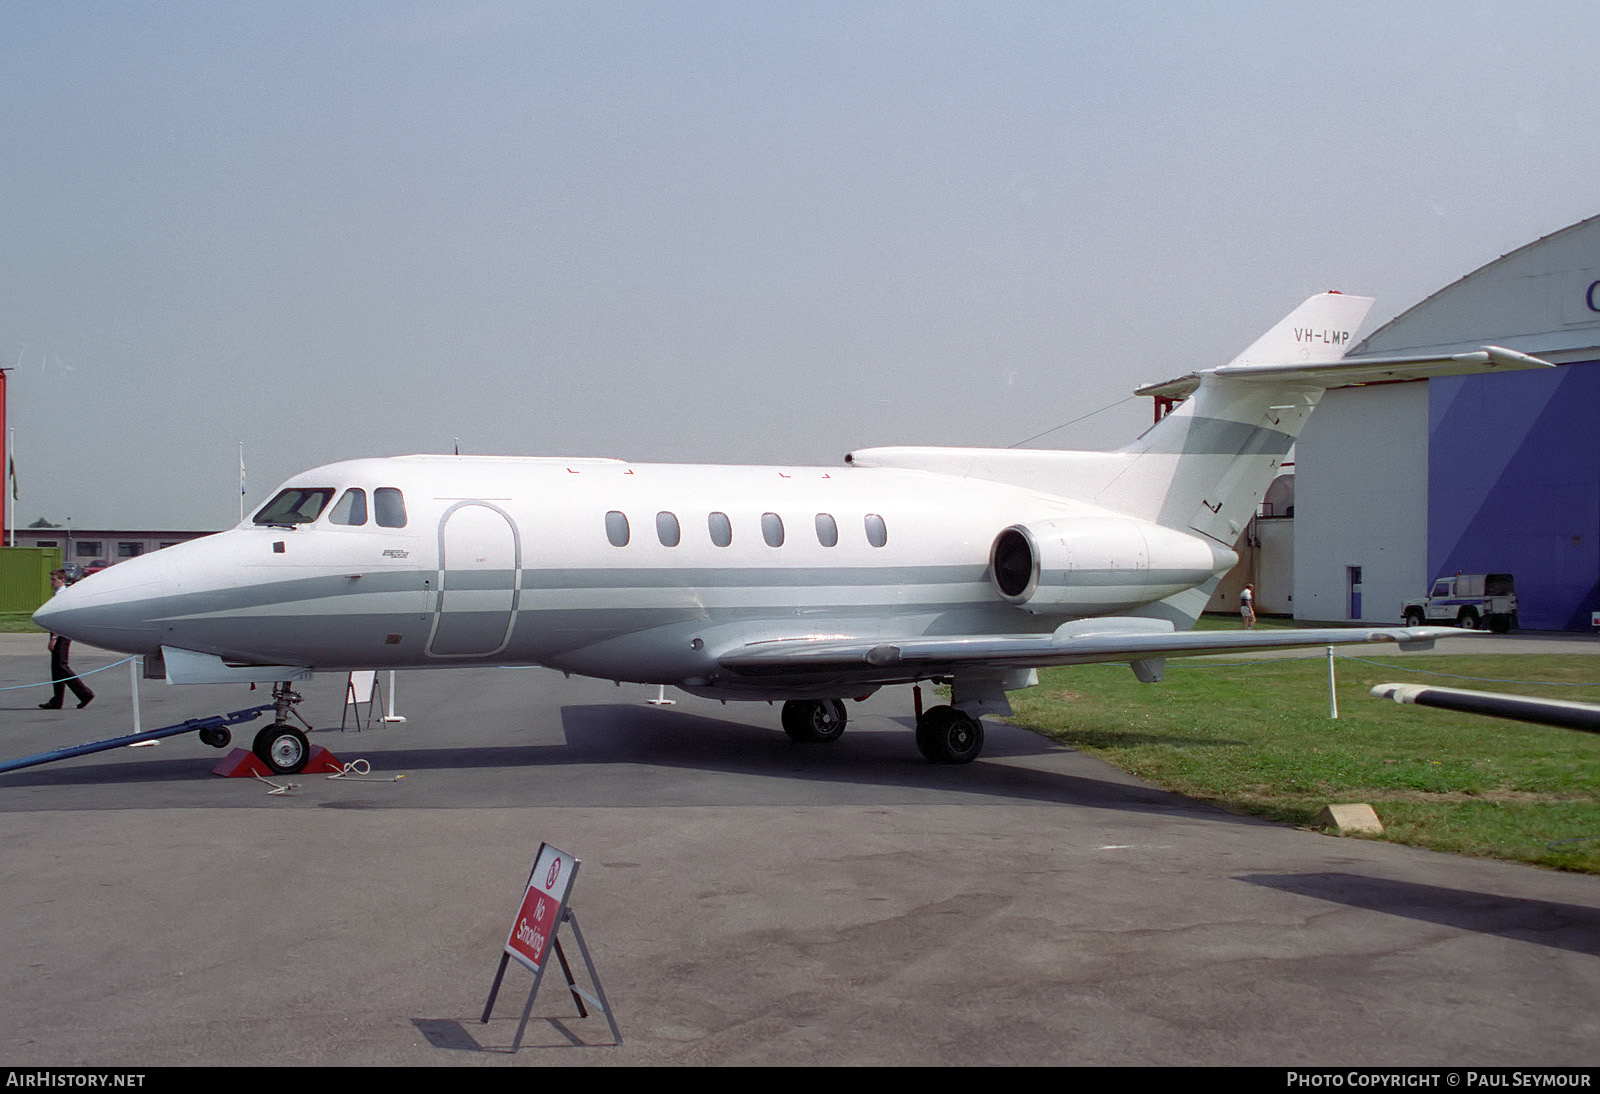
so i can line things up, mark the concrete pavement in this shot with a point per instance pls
(748, 900)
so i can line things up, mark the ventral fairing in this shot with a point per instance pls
(805, 585)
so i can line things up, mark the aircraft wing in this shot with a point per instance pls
(1550, 712)
(1077, 643)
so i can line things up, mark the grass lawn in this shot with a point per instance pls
(18, 623)
(1256, 738)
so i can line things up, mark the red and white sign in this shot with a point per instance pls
(542, 905)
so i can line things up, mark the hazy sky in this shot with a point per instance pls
(716, 231)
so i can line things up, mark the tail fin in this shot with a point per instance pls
(1319, 330)
(1207, 464)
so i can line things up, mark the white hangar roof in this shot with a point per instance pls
(1542, 299)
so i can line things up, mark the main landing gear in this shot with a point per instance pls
(814, 721)
(945, 735)
(281, 746)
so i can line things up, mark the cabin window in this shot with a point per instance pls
(350, 509)
(391, 507)
(877, 531)
(827, 530)
(667, 530)
(772, 529)
(721, 529)
(617, 529)
(295, 505)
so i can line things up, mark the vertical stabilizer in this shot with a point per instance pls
(1321, 329)
(1207, 464)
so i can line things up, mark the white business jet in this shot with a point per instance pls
(806, 585)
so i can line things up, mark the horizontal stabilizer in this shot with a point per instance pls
(1357, 370)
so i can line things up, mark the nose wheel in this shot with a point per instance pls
(281, 746)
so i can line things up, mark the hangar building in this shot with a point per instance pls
(1398, 484)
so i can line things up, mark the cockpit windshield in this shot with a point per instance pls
(295, 505)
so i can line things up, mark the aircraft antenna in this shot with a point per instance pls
(1074, 421)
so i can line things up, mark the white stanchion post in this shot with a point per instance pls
(1333, 696)
(135, 667)
(392, 716)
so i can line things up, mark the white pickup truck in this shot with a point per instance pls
(1469, 600)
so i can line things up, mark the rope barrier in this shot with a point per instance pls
(51, 683)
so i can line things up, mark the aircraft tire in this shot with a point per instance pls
(284, 749)
(945, 735)
(814, 721)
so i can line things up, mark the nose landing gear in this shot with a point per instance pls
(281, 746)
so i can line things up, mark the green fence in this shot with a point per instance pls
(25, 577)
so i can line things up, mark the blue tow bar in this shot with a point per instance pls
(193, 725)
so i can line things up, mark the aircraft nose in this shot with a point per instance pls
(115, 609)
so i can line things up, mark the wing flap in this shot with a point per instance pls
(1120, 639)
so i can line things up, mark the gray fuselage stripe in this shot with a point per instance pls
(1220, 437)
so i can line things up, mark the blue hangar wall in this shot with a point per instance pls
(1514, 487)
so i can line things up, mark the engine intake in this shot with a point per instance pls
(1094, 565)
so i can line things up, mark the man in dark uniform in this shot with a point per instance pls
(61, 673)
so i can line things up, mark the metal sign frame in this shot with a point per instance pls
(535, 931)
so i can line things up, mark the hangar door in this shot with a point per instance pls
(479, 577)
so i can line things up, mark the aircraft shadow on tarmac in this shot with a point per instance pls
(1542, 922)
(865, 756)
(869, 759)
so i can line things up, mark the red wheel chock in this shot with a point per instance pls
(241, 763)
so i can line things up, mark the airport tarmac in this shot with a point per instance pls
(747, 900)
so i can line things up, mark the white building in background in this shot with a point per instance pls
(1397, 484)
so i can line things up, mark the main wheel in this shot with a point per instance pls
(1468, 620)
(1415, 618)
(814, 721)
(946, 735)
(284, 749)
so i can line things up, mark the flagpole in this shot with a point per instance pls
(7, 503)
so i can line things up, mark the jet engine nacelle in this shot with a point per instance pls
(1096, 565)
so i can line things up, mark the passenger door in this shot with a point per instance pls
(480, 579)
